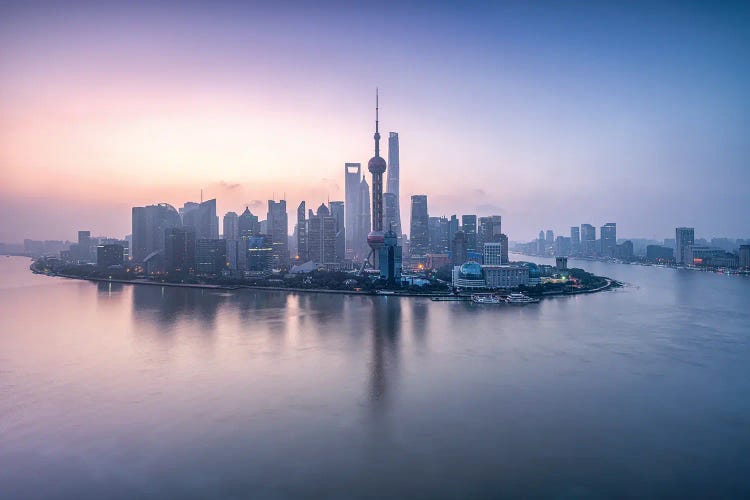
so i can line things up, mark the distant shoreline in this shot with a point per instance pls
(216, 287)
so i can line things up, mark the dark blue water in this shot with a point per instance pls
(149, 392)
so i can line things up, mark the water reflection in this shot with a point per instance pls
(386, 330)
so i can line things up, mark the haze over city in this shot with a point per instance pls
(546, 116)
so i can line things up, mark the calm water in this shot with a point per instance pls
(125, 391)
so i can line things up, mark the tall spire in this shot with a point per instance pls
(377, 134)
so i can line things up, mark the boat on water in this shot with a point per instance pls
(519, 298)
(485, 298)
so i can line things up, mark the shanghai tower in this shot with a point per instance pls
(393, 222)
(376, 166)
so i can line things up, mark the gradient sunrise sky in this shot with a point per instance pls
(550, 114)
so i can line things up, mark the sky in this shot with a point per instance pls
(551, 114)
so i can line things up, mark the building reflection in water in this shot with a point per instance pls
(386, 329)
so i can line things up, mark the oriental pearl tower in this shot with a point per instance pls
(376, 166)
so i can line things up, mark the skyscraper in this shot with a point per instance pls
(588, 240)
(608, 234)
(489, 230)
(419, 233)
(352, 207)
(321, 236)
(469, 227)
(231, 226)
(202, 218)
(458, 248)
(390, 208)
(278, 231)
(210, 257)
(179, 250)
(337, 212)
(575, 240)
(301, 233)
(149, 224)
(684, 239)
(247, 224)
(392, 187)
(376, 166)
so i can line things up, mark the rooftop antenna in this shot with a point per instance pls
(377, 133)
(201, 195)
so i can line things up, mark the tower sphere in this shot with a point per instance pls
(376, 165)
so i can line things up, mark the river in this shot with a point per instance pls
(122, 391)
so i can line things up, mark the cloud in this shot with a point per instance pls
(229, 185)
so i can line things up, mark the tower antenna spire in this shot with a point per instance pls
(377, 133)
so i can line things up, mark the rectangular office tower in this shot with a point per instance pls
(392, 188)
(352, 179)
(278, 231)
(684, 240)
(608, 234)
(420, 235)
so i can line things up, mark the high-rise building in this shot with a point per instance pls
(202, 218)
(337, 212)
(301, 229)
(352, 208)
(419, 236)
(260, 253)
(247, 224)
(744, 256)
(179, 250)
(321, 236)
(493, 254)
(438, 234)
(550, 238)
(608, 234)
(469, 227)
(390, 258)
(504, 242)
(376, 167)
(562, 246)
(489, 230)
(230, 226)
(392, 186)
(210, 257)
(85, 250)
(109, 255)
(684, 239)
(149, 226)
(453, 227)
(575, 240)
(588, 240)
(458, 248)
(278, 230)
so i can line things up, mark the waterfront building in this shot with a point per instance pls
(110, 255)
(458, 249)
(561, 263)
(230, 226)
(210, 257)
(419, 237)
(684, 239)
(493, 254)
(575, 240)
(468, 276)
(437, 260)
(260, 253)
(550, 237)
(744, 256)
(505, 276)
(469, 227)
(541, 245)
(201, 217)
(149, 224)
(392, 188)
(236, 256)
(588, 240)
(352, 207)
(301, 233)
(179, 250)
(278, 231)
(659, 253)
(608, 233)
(248, 224)
(504, 243)
(624, 251)
(705, 256)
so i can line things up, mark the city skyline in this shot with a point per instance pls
(545, 131)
